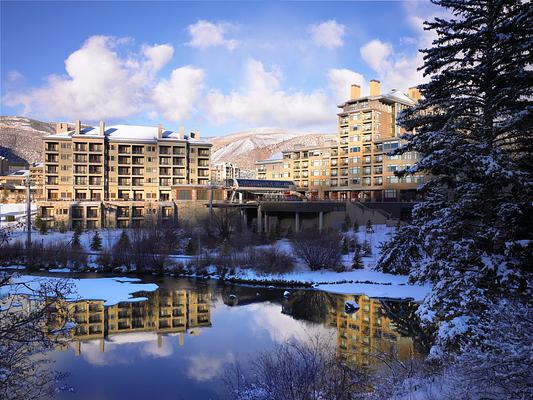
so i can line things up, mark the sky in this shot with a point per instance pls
(216, 67)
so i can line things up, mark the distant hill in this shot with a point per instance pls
(244, 148)
(23, 136)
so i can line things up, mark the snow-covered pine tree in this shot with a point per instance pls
(469, 236)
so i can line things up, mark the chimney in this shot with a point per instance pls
(61, 127)
(77, 127)
(374, 87)
(192, 135)
(102, 128)
(182, 132)
(355, 92)
(159, 131)
(414, 94)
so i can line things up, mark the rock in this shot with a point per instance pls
(286, 294)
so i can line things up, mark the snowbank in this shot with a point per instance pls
(110, 290)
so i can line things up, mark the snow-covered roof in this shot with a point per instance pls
(129, 133)
(399, 96)
(276, 157)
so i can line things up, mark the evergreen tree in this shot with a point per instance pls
(40, 225)
(366, 249)
(96, 243)
(369, 227)
(61, 227)
(355, 226)
(357, 261)
(76, 243)
(190, 249)
(473, 131)
(345, 249)
(123, 243)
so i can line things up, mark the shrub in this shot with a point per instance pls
(319, 251)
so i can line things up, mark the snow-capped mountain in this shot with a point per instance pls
(22, 136)
(244, 148)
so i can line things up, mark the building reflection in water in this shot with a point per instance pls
(363, 337)
(165, 311)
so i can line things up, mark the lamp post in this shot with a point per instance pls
(28, 212)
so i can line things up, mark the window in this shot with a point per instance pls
(390, 193)
(355, 149)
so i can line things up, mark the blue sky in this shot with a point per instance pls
(218, 67)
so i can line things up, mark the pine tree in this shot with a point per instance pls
(367, 249)
(40, 225)
(76, 243)
(473, 132)
(123, 243)
(96, 243)
(190, 248)
(347, 224)
(345, 249)
(369, 227)
(61, 227)
(357, 261)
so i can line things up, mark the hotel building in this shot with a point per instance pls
(133, 169)
(360, 166)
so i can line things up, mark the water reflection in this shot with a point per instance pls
(166, 311)
(365, 337)
(378, 328)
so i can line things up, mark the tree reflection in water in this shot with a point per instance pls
(26, 310)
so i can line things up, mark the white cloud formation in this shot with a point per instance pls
(100, 83)
(176, 97)
(341, 80)
(395, 70)
(206, 34)
(262, 101)
(204, 367)
(375, 53)
(328, 34)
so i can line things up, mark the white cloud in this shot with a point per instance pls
(206, 34)
(375, 53)
(100, 83)
(203, 367)
(395, 70)
(262, 101)
(328, 34)
(176, 97)
(340, 81)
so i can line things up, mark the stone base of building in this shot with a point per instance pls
(118, 214)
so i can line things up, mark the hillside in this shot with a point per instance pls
(23, 136)
(244, 148)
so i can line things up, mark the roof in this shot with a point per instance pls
(130, 133)
(276, 157)
(263, 183)
(394, 95)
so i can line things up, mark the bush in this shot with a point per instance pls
(319, 251)
(267, 261)
(297, 371)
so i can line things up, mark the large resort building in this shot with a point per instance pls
(119, 175)
(359, 165)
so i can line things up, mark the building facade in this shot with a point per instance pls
(121, 162)
(359, 166)
(223, 171)
(118, 176)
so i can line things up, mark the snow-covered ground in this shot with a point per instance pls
(111, 290)
(109, 237)
(362, 281)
